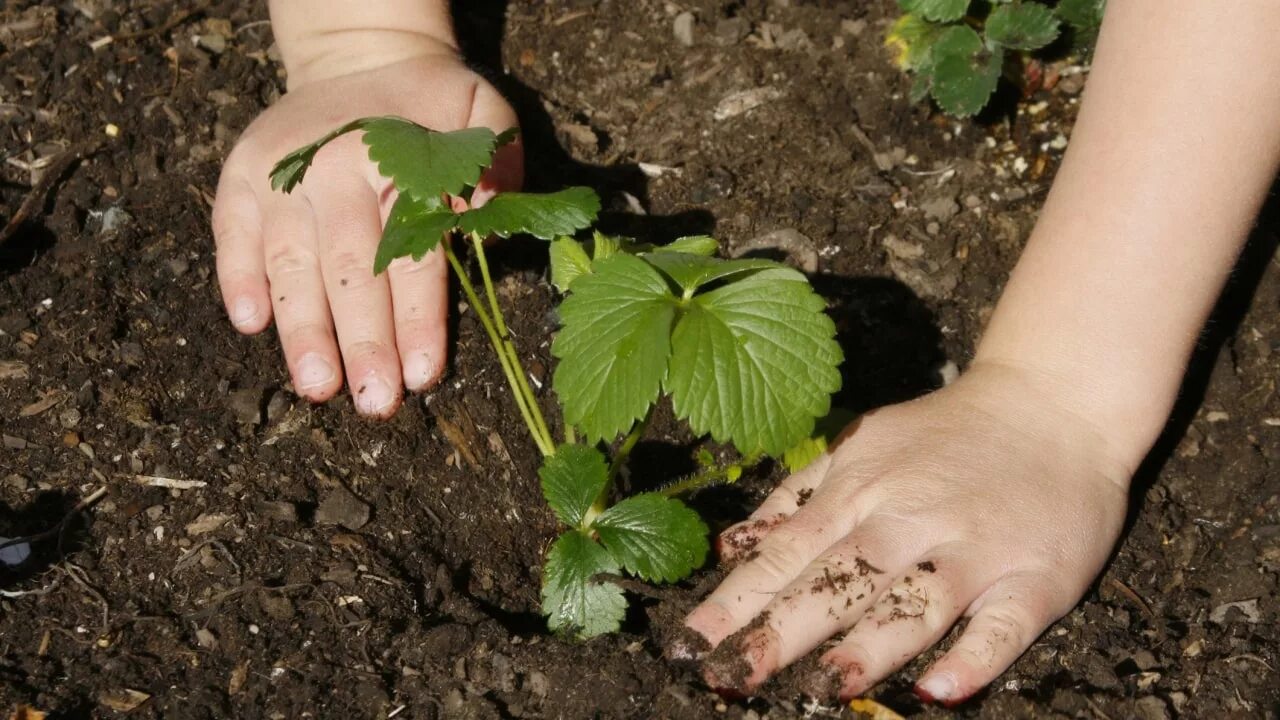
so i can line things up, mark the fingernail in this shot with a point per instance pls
(419, 371)
(374, 396)
(937, 688)
(244, 312)
(313, 372)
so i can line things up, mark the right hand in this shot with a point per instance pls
(306, 259)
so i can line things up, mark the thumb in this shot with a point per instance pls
(506, 174)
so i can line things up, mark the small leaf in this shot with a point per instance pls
(962, 81)
(755, 362)
(420, 162)
(425, 163)
(287, 173)
(911, 39)
(614, 346)
(1022, 26)
(936, 10)
(960, 41)
(704, 245)
(692, 271)
(568, 262)
(414, 228)
(572, 479)
(544, 216)
(655, 537)
(575, 603)
(603, 246)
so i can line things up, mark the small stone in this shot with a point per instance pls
(178, 266)
(902, 249)
(683, 28)
(1216, 416)
(278, 510)
(731, 31)
(12, 442)
(213, 42)
(1145, 660)
(69, 418)
(1244, 609)
(206, 639)
(155, 512)
(744, 101)
(941, 208)
(246, 406)
(207, 523)
(1150, 708)
(277, 406)
(537, 684)
(342, 508)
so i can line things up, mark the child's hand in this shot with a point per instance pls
(306, 259)
(983, 500)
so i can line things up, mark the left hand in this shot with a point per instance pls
(986, 500)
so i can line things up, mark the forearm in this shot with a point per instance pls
(1176, 145)
(324, 38)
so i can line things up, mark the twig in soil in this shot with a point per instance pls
(190, 555)
(1251, 658)
(58, 529)
(13, 594)
(1133, 597)
(171, 483)
(80, 577)
(36, 198)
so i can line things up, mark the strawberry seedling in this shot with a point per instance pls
(743, 348)
(958, 49)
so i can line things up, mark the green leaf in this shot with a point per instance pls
(960, 41)
(603, 246)
(1081, 14)
(287, 173)
(572, 479)
(962, 84)
(912, 38)
(420, 162)
(809, 449)
(704, 245)
(755, 362)
(414, 228)
(614, 346)
(425, 163)
(1022, 26)
(573, 602)
(692, 271)
(936, 10)
(543, 216)
(655, 537)
(568, 261)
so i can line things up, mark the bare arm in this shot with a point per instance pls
(1176, 145)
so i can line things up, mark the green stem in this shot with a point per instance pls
(709, 477)
(495, 340)
(619, 459)
(539, 425)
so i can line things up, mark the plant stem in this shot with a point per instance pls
(509, 348)
(544, 445)
(705, 478)
(619, 459)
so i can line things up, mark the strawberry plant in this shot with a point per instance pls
(958, 49)
(743, 349)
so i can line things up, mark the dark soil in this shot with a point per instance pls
(330, 567)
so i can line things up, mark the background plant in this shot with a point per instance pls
(958, 49)
(743, 349)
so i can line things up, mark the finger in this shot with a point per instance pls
(420, 304)
(740, 540)
(826, 598)
(779, 558)
(506, 173)
(350, 225)
(242, 272)
(913, 614)
(1010, 616)
(298, 300)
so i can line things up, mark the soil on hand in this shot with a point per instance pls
(257, 557)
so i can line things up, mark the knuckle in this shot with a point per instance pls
(301, 337)
(778, 561)
(367, 352)
(291, 259)
(1006, 623)
(354, 266)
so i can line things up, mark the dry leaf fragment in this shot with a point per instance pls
(47, 400)
(123, 700)
(238, 675)
(872, 710)
(14, 370)
(26, 712)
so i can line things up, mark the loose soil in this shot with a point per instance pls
(330, 567)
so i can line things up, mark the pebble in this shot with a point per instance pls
(941, 208)
(246, 406)
(340, 507)
(277, 406)
(1150, 708)
(278, 510)
(731, 31)
(69, 418)
(683, 28)
(12, 442)
(1248, 609)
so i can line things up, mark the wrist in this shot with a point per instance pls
(324, 39)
